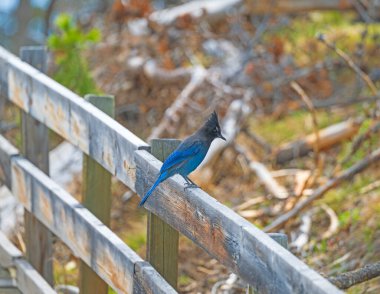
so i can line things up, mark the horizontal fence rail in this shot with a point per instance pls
(82, 232)
(225, 235)
(70, 116)
(228, 237)
(28, 280)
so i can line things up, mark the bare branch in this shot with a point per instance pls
(263, 174)
(305, 98)
(349, 279)
(351, 64)
(318, 193)
(334, 222)
(195, 9)
(137, 65)
(172, 113)
(328, 137)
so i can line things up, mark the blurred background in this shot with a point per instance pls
(295, 84)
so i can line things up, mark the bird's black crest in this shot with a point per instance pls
(212, 120)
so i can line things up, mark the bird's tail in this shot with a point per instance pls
(145, 198)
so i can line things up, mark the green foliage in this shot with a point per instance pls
(68, 43)
(321, 247)
(300, 35)
(346, 193)
(135, 241)
(184, 279)
(349, 217)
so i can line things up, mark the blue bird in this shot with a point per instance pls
(189, 154)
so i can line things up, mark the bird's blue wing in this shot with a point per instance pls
(182, 153)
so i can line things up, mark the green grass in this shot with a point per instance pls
(341, 28)
(295, 125)
(134, 240)
(347, 217)
(184, 280)
(346, 192)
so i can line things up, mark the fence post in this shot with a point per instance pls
(281, 239)
(162, 240)
(96, 196)
(35, 147)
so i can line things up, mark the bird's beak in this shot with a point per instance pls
(221, 137)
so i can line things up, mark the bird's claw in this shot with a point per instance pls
(190, 186)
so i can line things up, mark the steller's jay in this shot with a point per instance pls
(189, 154)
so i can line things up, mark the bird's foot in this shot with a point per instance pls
(190, 186)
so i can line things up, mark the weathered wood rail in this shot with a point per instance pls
(82, 232)
(27, 279)
(231, 239)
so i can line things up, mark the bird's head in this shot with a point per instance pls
(212, 128)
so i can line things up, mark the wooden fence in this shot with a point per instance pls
(226, 236)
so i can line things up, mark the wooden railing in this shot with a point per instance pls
(226, 236)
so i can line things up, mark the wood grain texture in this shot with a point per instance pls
(281, 239)
(5, 55)
(96, 197)
(162, 240)
(7, 151)
(82, 232)
(27, 278)
(148, 280)
(8, 252)
(73, 118)
(232, 240)
(35, 147)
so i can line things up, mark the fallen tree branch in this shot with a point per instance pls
(137, 65)
(328, 137)
(349, 279)
(152, 70)
(304, 231)
(172, 114)
(334, 222)
(318, 193)
(264, 175)
(194, 9)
